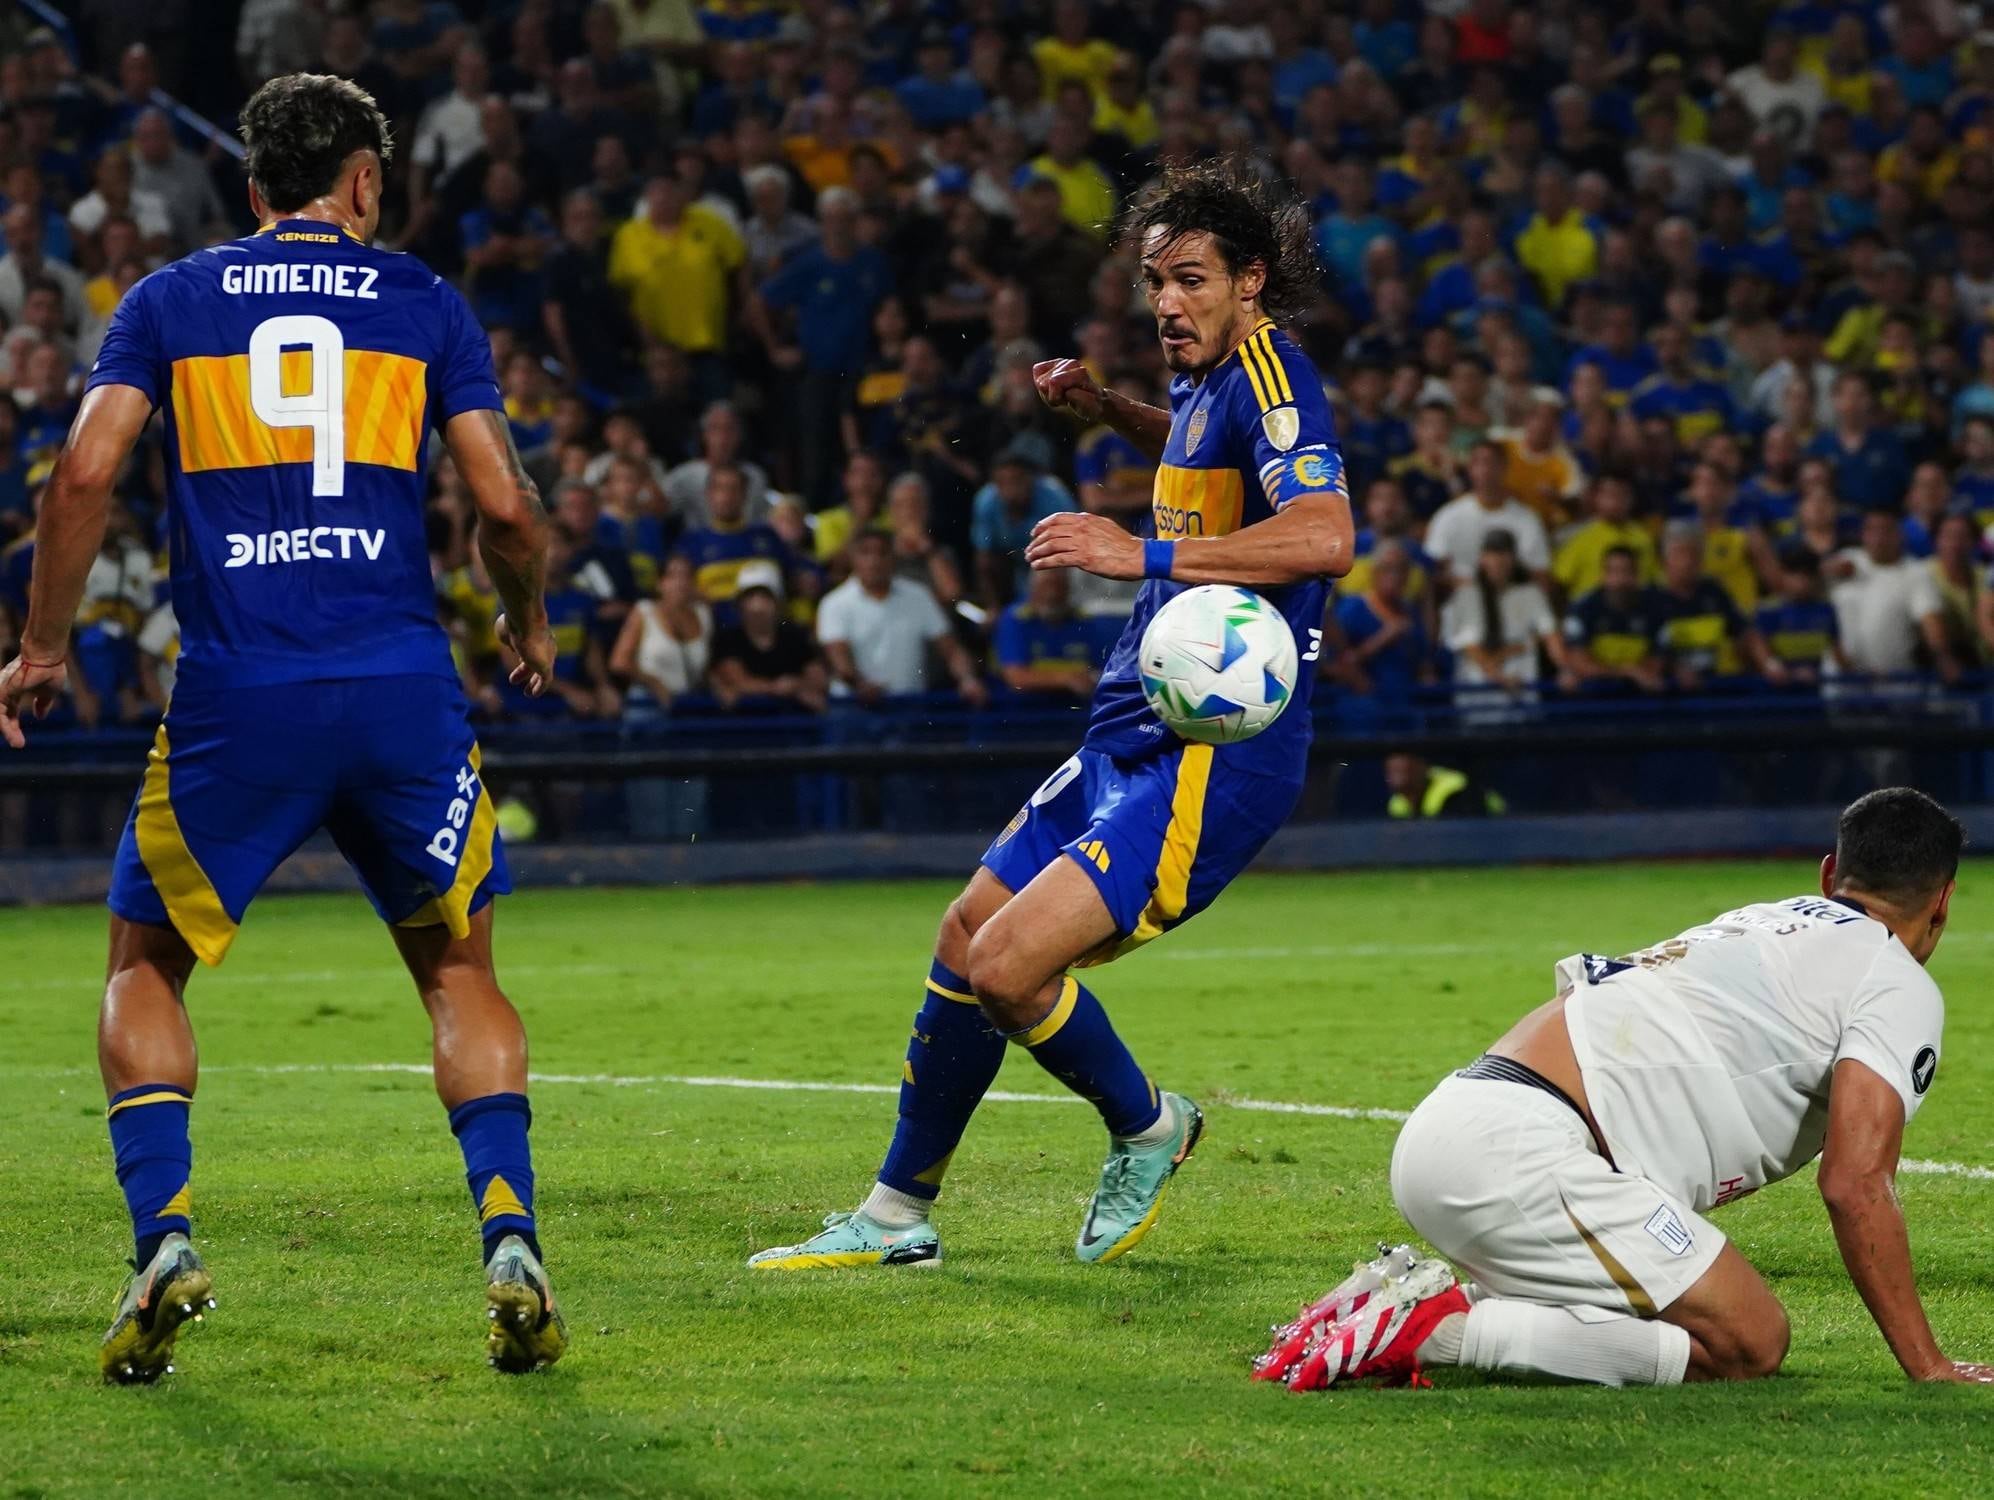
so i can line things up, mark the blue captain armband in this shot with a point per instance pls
(1158, 558)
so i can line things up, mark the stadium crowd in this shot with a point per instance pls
(1657, 334)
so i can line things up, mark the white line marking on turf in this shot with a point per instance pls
(1914, 1165)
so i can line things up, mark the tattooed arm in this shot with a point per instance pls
(512, 538)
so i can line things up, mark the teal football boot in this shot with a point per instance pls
(1124, 1207)
(854, 1240)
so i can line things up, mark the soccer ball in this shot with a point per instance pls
(1218, 664)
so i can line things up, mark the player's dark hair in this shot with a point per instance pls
(1251, 223)
(1898, 844)
(299, 130)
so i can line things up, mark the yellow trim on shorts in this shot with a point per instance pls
(1172, 891)
(192, 906)
(452, 908)
(1062, 1009)
(1636, 1295)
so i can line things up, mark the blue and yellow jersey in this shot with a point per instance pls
(1799, 632)
(1026, 638)
(1250, 438)
(1702, 631)
(717, 557)
(300, 371)
(1103, 456)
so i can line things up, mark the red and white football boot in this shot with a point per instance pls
(1379, 1342)
(1292, 1341)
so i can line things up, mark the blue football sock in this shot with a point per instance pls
(951, 1063)
(498, 1165)
(155, 1160)
(1076, 1043)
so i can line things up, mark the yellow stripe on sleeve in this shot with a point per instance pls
(1278, 372)
(1261, 396)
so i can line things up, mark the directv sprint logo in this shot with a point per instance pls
(302, 544)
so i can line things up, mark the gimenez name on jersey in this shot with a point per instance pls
(302, 276)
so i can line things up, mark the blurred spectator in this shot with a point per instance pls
(1422, 790)
(1372, 438)
(1496, 625)
(916, 555)
(1869, 464)
(773, 230)
(878, 629)
(1455, 537)
(763, 662)
(1694, 403)
(1386, 649)
(1386, 518)
(1956, 574)
(1432, 474)
(862, 509)
(113, 194)
(826, 295)
(1888, 608)
(24, 265)
(720, 443)
(1538, 469)
(1006, 509)
(1582, 556)
(663, 648)
(726, 541)
(1558, 244)
(587, 321)
(1704, 633)
(1042, 646)
(177, 179)
(1782, 96)
(1613, 635)
(675, 261)
(1800, 628)
(506, 240)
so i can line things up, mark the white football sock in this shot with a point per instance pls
(893, 1208)
(1571, 1343)
(1161, 1131)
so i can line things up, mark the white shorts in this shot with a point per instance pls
(1505, 1181)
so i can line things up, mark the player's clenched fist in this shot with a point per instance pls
(1067, 384)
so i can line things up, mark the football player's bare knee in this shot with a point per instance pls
(1738, 1330)
(980, 900)
(1004, 976)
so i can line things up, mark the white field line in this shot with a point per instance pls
(805, 1086)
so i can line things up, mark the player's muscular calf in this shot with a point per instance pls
(143, 1035)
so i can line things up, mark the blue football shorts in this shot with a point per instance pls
(1160, 837)
(239, 778)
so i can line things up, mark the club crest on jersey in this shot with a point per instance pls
(1282, 425)
(1194, 430)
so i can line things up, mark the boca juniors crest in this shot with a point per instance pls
(1194, 430)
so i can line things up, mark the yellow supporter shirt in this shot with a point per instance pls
(677, 278)
(1558, 254)
(1546, 482)
(1579, 562)
(1090, 63)
(1086, 194)
(1727, 557)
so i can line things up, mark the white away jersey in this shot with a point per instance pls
(1707, 1058)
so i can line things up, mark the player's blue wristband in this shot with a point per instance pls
(1157, 558)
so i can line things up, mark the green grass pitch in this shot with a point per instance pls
(345, 1356)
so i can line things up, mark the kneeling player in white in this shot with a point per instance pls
(1567, 1172)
